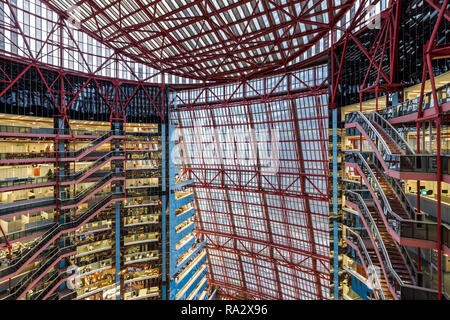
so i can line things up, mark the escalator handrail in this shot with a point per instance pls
(367, 256)
(363, 118)
(51, 257)
(386, 261)
(52, 232)
(74, 175)
(52, 283)
(90, 144)
(399, 140)
(397, 188)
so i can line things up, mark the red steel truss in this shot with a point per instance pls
(266, 228)
(210, 40)
(33, 53)
(386, 44)
(55, 46)
(433, 51)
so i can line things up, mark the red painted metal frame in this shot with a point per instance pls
(31, 60)
(433, 51)
(387, 42)
(192, 63)
(228, 251)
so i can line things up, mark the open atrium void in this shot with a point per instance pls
(224, 150)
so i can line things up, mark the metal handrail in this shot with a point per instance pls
(395, 222)
(52, 232)
(410, 265)
(52, 282)
(83, 194)
(91, 144)
(404, 285)
(96, 163)
(378, 188)
(25, 282)
(412, 105)
(361, 119)
(377, 238)
(398, 139)
(368, 259)
(26, 181)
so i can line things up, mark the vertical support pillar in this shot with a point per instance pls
(117, 167)
(419, 253)
(439, 208)
(164, 203)
(118, 246)
(335, 204)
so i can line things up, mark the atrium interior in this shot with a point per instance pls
(224, 150)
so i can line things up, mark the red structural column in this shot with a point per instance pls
(432, 52)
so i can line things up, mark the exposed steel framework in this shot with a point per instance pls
(267, 233)
(56, 47)
(211, 40)
(263, 212)
(48, 56)
(380, 79)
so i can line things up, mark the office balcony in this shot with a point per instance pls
(396, 157)
(407, 111)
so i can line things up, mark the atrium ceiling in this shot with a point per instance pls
(211, 40)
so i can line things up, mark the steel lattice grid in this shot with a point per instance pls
(260, 240)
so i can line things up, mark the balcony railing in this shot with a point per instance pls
(412, 106)
(96, 164)
(26, 205)
(91, 145)
(403, 290)
(13, 183)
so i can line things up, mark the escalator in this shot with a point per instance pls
(396, 212)
(52, 284)
(21, 261)
(393, 151)
(50, 260)
(40, 204)
(83, 196)
(14, 208)
(370, 264)
(397, 266)
(395, 263)
(79, 176)
(41, 157)
(91, 146)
